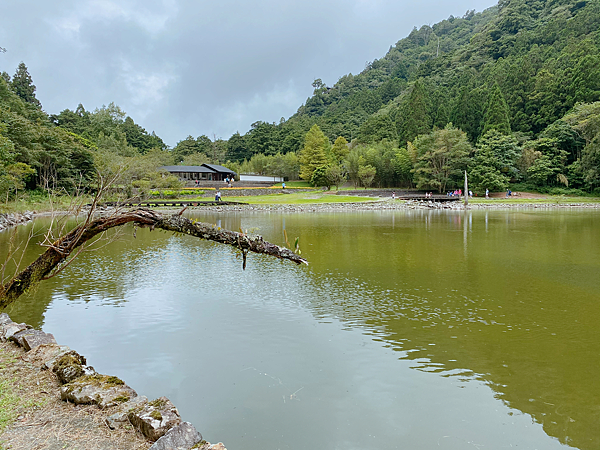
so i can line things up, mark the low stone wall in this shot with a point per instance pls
(158, 420)
(247, 192)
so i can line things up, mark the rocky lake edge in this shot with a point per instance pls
(51, 399)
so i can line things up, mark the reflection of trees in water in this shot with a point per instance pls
(31, 307)
(106, 273)
(503, 312)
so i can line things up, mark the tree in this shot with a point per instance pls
(414, 118)
(403, 165)
(340, 149)
(23, 86)
(467, 112)
(366, 174)
(496, 115)
(237, 148)
(548, 165)
(319, 177)
(442, 156)
(486, 171)
(504, 148)
(313, 154)
(12, 174)
(336, 175)
(376, 128)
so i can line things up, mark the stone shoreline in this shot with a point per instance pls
(11, 220)
(394, 205)
(118, 405)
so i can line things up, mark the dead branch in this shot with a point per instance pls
(57, 253)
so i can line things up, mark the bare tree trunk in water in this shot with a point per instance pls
(55, 257)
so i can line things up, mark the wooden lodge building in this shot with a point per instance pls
(205, 172)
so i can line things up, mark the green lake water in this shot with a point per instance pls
(408, 330)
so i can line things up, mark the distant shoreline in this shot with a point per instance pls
(392, 205)
(9, 220)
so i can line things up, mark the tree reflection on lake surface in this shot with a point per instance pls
(409, 329)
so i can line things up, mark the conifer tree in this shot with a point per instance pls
(313, 154)
(414, 116)
(467, 113)
(340, 148)
(496, 112)
(23, 86)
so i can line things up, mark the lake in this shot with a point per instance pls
(409, 329)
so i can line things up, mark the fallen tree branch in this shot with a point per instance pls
(58, 252)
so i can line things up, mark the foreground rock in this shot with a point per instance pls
(101, 390)
(181, 437)
(31, 338)
(154, 419)
(44, 356)
(70, 366)
(120, 418)
(11, 328)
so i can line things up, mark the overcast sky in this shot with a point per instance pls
(181, 67)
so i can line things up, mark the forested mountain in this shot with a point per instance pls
(517, 68)
(511, 94)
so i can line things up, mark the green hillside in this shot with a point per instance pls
(517, 68)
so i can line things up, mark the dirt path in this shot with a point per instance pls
(36, 418)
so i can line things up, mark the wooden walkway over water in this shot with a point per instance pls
(167, 203)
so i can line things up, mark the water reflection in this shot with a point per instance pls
(416, 311)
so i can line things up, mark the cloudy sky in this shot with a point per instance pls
(182, 67)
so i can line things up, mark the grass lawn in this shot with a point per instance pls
(297, 198)
(294, 184)
(548, 199)
(42, 204)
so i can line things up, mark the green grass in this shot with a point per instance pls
(297, 198)
(9, 402)
(41, 203)
(558, 199)
(294, 184)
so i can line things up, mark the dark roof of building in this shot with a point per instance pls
(204, 168)
(192, 169)
(218, 168)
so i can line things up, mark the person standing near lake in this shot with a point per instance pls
(487, 193)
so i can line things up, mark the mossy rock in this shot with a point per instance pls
(99, 389)
(69, 367)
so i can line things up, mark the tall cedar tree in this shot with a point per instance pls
(313, 154)
(496, 112)
(414, 116)
(23, 86)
